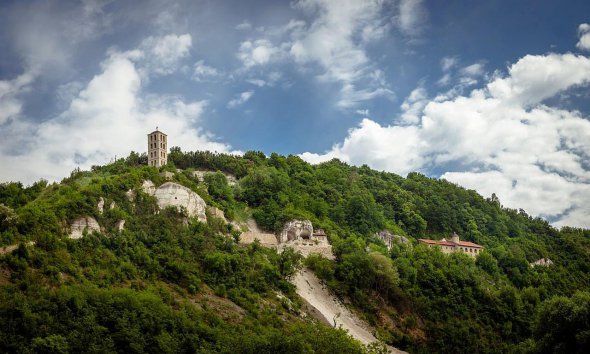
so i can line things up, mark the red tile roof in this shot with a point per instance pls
(469, 244)
(450, 243)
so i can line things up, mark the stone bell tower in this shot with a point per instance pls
(157, 148)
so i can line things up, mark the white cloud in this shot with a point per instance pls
(10, 91)
(499, 139)
(271, 80)
(333, 42)
(412, 15)
(240, 99)
(257, 82)
(447, 63)
(362, 112)
(584, 33)
(109, 117)
(476, 69)
(413, 105)
(204, 72)
(259, 52)
(329, 40)
(535, 78)
(392, 148)
(162, 55)
(244, 26)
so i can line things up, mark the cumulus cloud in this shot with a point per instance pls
(500, 139)
(110, 116)
(240, 99)
(413, 105)
(259, 52)
(162, 55)
(535, 78)
(584, 33)
(393, 148)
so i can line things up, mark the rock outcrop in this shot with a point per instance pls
(130, 194)
(83, 223)
(389, 239)
(148, 187)
(173, 194)
(299, 235)
(200, 175)
(266, 240)
(296, 230)
(216, 212)
(120, 225)
(543, 262)
(254, 233)
(100, 205)
(328, 309)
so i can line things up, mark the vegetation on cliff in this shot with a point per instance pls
(163, 286)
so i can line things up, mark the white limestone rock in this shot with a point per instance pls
(543, 262)
(120, 225)
(389, 239)
(266, 240)
(148, 187)
(173, 194)
(200, 175)
(130, 194)
(83, 223)
(254, 233)
(299, 235)
(100, 205)
(295, 230)
(216, 212)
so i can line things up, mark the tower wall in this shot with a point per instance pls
(157, 149)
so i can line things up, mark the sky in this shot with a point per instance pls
(491, 95)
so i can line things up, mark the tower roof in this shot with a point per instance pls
(157, 131)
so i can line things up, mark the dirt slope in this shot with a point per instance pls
(317, 296)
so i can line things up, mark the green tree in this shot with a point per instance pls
(563, 324)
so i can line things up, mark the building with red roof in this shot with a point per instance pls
(454, 245)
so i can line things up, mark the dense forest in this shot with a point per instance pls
(166, 286)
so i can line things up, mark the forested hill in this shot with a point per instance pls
(166, 285)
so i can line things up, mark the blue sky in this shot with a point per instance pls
(491, 95)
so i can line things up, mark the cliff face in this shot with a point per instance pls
(179, 196)
(83, 223)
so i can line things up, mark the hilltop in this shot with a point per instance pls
(173, 280)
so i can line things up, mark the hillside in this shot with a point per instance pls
(165, 282)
